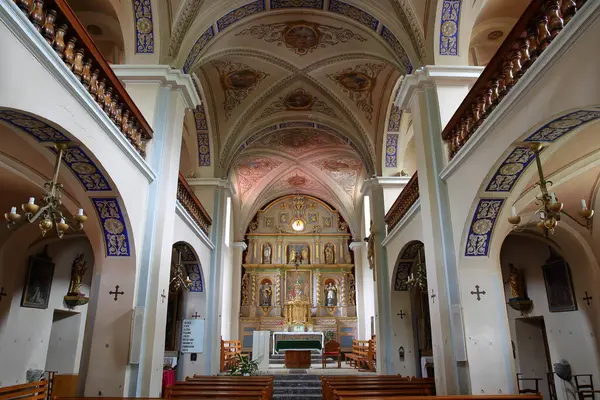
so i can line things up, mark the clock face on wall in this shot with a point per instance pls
(298, 225)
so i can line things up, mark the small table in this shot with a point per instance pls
(297, 358)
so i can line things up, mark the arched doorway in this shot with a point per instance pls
(410, 313)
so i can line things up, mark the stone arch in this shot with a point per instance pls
(407, 258)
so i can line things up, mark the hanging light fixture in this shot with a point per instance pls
(550, 209)
(48, 211)
(418, 278)
(177, 276)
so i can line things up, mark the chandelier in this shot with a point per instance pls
(48, 211)
(418, 278)
(550, 209)
(178, 273)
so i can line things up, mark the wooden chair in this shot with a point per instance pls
(584, 383)
(332, 349)
(27, 391)
(520, 380)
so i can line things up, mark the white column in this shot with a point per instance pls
(236, 287)
(432, 95)
(162, 94)
(365, 305)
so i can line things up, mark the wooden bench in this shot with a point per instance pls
(257, 387)
(334, 387)
(358, 347)
(458, 397)
(230, 349)
(27, 391)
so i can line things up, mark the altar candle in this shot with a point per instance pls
(13, 210)
(553, 197)
(32, 200)
(80, 212)
(62, 221)
(583, 205)
(514, 211)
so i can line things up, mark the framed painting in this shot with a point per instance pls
(559, 285)
(298, 285)
(36, 292)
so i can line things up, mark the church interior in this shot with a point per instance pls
(299, 199)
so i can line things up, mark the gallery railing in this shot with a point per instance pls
(192, 205)
(406, 199)
(541, 22)
(57, 23)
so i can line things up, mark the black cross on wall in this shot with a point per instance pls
(433, 296)
(478, 293)
(401, 314)
(587, 298)
(164, 296)
(116, 292)
(195, 315)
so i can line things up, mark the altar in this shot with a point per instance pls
(295, 341)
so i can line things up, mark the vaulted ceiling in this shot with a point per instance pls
(296, 92)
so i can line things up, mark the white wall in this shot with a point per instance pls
(570, 334)
(64, 337)
(25, 332)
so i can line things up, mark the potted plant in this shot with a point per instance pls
(244, 366)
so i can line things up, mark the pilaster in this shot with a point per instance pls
(162, 94)
(365, 305)
(236, 283)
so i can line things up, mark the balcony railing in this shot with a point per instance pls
(192, 205)
(406, 199)
(541, 22)
(57, 23)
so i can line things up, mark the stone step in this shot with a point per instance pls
(307, 383)
(296, 397)
(296, 390)
(295, 377)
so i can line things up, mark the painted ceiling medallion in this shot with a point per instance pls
(345, 171)
(301, 36)
(298, 142)
(251, 170)
(238, 80)
(297, 181)
(358, 82)
(298, 100)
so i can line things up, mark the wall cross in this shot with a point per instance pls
(195, 315)
(116, 292)
(164, 296)
(3, 293)
(587, 298)
(401, 314)
(478, 293)
(433, 296)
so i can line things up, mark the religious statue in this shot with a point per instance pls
(245, 288)
(78, 269)
(267, 254)
(265, 293)
(305, 255)
(329, 259)
(292, 255)
(371, 247)
(331, 295)
(515, 280)
(253, 226)
(298, 205)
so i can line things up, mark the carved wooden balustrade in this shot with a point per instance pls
(541, 22)
(57, 23)
(192, 205)
(406, 199)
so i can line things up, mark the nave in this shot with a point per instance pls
(283, 199)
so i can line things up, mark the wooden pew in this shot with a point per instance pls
(259, 387)
(334, 387)
(229, 351)
(458, 397)
(358, 347)
(221, 396)
(27, 391)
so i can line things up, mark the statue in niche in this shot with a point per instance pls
(78, 269)
(329, 254)
(292, 255)
(305, 255)
(330, 294)
(371, 247)
(267, 254)
(266, 291)
(245, 287)
(515, 280)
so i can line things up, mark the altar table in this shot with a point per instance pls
(298, 341)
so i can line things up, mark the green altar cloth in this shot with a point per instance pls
(298, 345)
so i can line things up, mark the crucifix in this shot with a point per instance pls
(116, 292)
(478, 293)
(433, 296)
(3, 293)
(401, 314)
(163, 297)
(587, 298)
(195, 315)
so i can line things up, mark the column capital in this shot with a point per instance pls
(215, 182)
(241, 245)
(433, 76)
(169, 77)
(354, 246)
(384, 182)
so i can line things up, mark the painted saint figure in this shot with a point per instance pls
(329, 259)
(305, 255)
(77, 271)
(265, 293)
(267, 254)
(292, 255)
